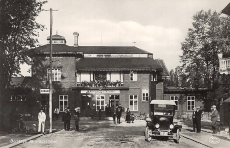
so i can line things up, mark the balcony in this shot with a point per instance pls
(100, 84)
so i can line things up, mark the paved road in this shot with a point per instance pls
(104, 134)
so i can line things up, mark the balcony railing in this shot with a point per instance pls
(100, 84)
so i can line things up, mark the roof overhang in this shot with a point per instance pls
(117, 64)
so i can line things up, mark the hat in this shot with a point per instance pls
(214, 106)
(68, 108)
(198, 107)
(77, 108)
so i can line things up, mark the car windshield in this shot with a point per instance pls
(162, 109)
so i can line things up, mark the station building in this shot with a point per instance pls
(91, 77)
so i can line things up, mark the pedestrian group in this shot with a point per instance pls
(196, 119)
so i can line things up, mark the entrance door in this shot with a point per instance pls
(86, 104)
(114, 101)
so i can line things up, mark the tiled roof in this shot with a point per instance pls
(226, 10)
(93, 49)
(115, 64)
(173, 89)
(20, 81)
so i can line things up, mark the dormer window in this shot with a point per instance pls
(57, 39)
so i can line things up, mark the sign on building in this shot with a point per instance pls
(44, 91)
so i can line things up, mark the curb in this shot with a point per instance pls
(193, 139)
(22, 141)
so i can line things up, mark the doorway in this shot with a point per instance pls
(114, 101)
(86, 105)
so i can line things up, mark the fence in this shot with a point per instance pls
(188, 115)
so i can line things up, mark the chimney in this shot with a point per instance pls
(75, 34)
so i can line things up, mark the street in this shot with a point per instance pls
(95, 133)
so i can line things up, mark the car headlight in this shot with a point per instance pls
(171, 126)
(157, 125)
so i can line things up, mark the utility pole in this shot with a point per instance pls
(50, 71)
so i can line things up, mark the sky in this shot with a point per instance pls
(157, 26)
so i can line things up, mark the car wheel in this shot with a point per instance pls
(177, 136)
(147, 134)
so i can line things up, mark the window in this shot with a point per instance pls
(175, 98)
(114, 96)
(133, 76)
(17, 98)
(133, 102)
(63, 102)
(115, 76)
(56, 74)
(145, 95)
(190, 103)
(85, 76)
(100, 102)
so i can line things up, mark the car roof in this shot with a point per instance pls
(167, 102)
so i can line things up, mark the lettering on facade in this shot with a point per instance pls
(100, 91)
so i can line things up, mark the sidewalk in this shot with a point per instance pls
(206, 137)
(11, 140)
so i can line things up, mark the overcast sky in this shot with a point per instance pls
(157, 26)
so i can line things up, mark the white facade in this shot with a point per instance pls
(224, 64)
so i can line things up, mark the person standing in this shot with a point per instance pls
(64, 118)
(77, 119)
(107, 110)
(118, 113)
(193, 119)
(114, 117)
(56, 113)
(68, 118)
(198, 114)
(128, 113)
(214, 118)
(41, 121)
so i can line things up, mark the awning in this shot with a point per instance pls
(166, 102)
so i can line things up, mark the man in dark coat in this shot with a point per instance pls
(193, 119)
(66, 119)
(118, 113)
(107, 110)
(214, 119)
(198, 115)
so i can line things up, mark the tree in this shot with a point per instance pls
(208, 37)
(18, 30)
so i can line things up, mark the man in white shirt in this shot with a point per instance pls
(41, 121)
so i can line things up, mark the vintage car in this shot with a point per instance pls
(160, 121)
